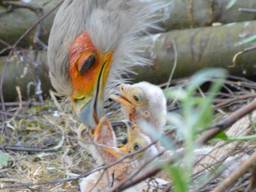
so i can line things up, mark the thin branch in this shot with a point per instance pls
(227, 122)
(247, 10)
(129, 179)
(235, 116)
(174, 64)
(29, 149)
(15, 5)
(246, 50)
(29, 30)
(59, 181)
(229, 181)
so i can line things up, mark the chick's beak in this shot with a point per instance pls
(122, 100)
(90, 105)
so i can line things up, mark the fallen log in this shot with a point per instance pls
(14, 22)
(24, 71)
(196, 13)
(200, 48)
(179, 15)
(195, 49)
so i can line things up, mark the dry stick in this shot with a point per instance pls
(226, 123)
(246, 165)
(28, 149)
(246, 50)
(16, 5)
(116, 188)
(252, 185)
(58, 181)
(247, 10)
(150, 173)
(29, 30)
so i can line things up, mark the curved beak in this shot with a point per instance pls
(122, 100)
(90, 107)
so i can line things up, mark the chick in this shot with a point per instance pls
(105, 139)
(145, 106)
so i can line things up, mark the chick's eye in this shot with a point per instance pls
(136, 98)
(136, 147)
(87, 64)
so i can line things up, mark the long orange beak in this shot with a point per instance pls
(89, 70)
(91, 107)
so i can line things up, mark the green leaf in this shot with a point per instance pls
(4, 159)
(231, 4)
(179, 178)
(243, 138)
(250, 39)
(222, 136)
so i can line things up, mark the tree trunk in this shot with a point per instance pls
(24, 71)
(196, 49)
(196, 13)
(15, 22)
(200, 48)
(179, 14)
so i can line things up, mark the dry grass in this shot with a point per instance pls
(53, 126)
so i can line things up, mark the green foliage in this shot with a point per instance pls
(178, 176)
(196, 115)
(250, 39)
(222, 136)
(4, 159)
(231, 3)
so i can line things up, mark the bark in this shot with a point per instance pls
(180, 14)
(196, 13)
(196, 49)
(23, 71)
(14, 22)
(200, 48)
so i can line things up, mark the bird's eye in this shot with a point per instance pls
(136, 147)
(136, 98)
(121, 87)
(87, 64)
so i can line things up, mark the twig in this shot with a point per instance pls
(119, 186)
(226, 123)
(174, 64)
(252, 185)
(16, 5)
(235, 116)
(236, 175)
(247, 10)
(58, 181)
(30, 29)
(152, 172)
(4, 43)
(29, 149)
(246, 50)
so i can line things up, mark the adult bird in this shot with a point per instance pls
(92, 44)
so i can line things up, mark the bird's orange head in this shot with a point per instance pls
(88, 69)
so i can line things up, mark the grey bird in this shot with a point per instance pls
(92, 44)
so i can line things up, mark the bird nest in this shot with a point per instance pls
(41, 148)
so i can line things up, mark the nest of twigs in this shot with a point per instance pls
(42, 152)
